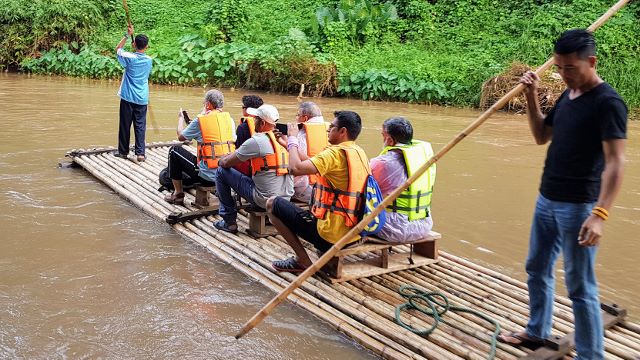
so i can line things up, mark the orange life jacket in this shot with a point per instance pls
(251, 122)
(317, 140)
(278, 161)
(344, 202)
(217, 137)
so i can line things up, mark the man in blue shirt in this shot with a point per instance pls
(134, 93)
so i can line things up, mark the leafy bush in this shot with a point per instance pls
(360, 20)
(29, 27)
(432, 51)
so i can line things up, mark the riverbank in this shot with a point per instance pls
(405, 50)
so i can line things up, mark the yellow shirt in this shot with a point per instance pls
(332, 164)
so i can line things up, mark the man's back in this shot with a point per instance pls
(267, 183)
(390, 172)
(135, 86)
(332, 165)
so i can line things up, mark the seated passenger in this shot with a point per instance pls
(342, 170)
(409, 216)
(246, 128)
(312, 139)
(214, 130)
(269, 167)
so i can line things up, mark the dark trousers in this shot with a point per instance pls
(136, 114)
(182, 161)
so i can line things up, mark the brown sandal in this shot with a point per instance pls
(176, 199)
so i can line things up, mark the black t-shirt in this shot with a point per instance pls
(242, 133)
(575, 159)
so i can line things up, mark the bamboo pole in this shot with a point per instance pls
(264, 312)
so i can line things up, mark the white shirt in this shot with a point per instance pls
(301, 187)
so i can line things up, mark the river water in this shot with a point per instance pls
(84, 274)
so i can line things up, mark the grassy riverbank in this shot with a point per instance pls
(405, 50)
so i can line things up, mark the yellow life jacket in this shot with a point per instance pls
(217, 137)
(251, 122)
(317, 140)
(344, 202)
(278, 161)
(415, 202)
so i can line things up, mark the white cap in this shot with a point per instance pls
(266, 112)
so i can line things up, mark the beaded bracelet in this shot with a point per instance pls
(600, 212)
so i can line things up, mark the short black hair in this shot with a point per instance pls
(349, 120)
(399, 128)
(578, 41)
(141, 41)
(252, 101)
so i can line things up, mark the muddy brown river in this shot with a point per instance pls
(84, 274)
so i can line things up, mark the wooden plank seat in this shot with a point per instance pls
(367, 262)
(259, 225)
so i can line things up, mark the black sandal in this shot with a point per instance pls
(529, 343)
(230, 228)
(288, 265)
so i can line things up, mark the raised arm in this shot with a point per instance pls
(541, 133)
(180, 127)
(297, 166)
(124, 38)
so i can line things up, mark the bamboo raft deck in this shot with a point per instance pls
(363, 309)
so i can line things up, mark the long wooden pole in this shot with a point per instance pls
(152, 116)
(126, 11)
(260, 315)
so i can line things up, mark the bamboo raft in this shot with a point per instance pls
(363, 309)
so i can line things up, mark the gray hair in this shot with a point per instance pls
(399, 128)
(309, 109)
(215, 98)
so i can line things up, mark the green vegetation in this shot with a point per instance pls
(432, 51)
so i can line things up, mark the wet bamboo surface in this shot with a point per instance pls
(362, 309)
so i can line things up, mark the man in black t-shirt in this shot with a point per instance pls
(244, 130)
(582, 175)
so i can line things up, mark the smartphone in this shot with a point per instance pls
(186, 116)
(282, 128)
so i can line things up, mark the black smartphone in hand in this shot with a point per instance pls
(282, 128)
(186, 116)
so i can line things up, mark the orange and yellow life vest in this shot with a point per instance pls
(344, 202)
(317, 140)
(278, 161)
(217, 137)
(251, 122)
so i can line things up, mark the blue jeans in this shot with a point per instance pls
(227, 179)
(555, 228)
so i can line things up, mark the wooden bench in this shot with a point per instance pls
(419, 253)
